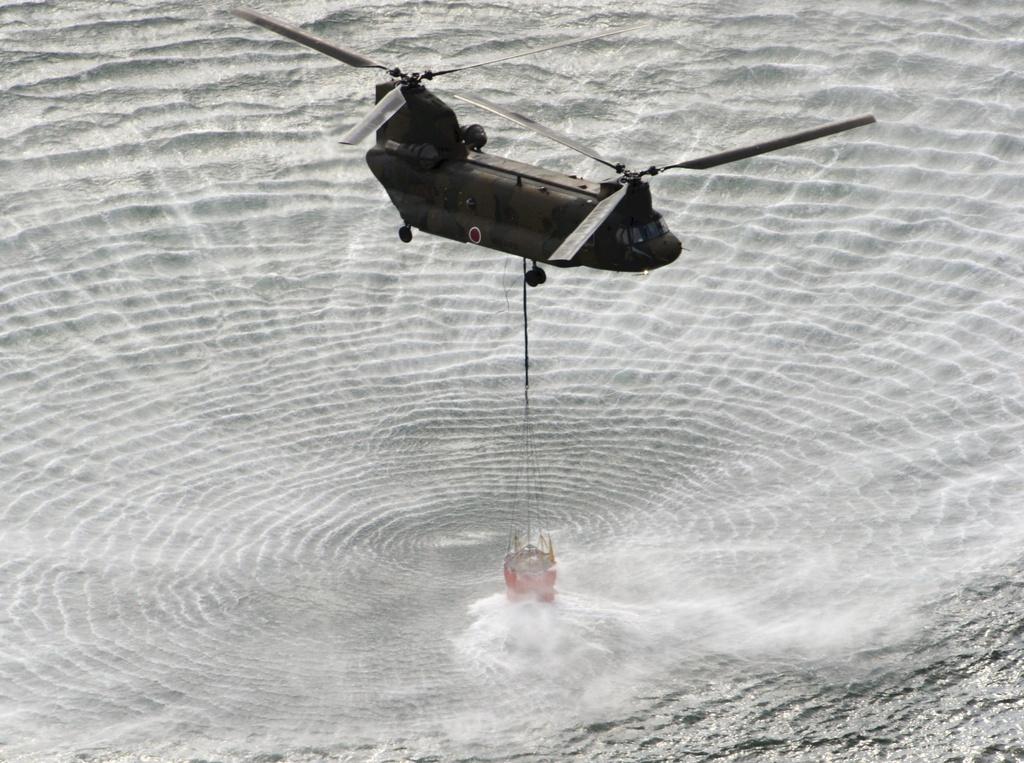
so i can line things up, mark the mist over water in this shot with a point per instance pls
(258, 456)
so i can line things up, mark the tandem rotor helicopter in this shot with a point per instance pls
(442, 183)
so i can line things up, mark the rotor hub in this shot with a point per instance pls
(635, 177)
(410, 79)
(632, 177)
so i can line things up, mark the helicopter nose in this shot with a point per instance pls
(665, 249)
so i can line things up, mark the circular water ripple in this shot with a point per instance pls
(259, 459)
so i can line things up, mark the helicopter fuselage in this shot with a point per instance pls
(443, 185)
(441, 182)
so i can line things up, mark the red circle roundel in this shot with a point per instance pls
(475, 235)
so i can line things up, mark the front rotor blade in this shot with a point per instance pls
(736, 154)
(311, 41)
(541, 50)
(575, 240)
(386, 108)
(537, 127)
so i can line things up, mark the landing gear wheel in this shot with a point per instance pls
(405, 233)
(535, 276)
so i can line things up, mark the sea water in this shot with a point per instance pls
(258, 456)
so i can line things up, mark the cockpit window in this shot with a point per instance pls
(637, 234)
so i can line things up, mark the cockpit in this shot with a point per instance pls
(638, 233)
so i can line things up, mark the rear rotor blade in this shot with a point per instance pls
(736, 154)
(311, 41)
(541, 50)
(386, 108)
(575, 240)
(537, 127)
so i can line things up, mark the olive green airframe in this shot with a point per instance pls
(441, 181)
(442, 185)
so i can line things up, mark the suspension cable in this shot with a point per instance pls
(527, 439)
(526, 345)
(526, 491)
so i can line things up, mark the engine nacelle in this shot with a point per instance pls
(474, 136)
